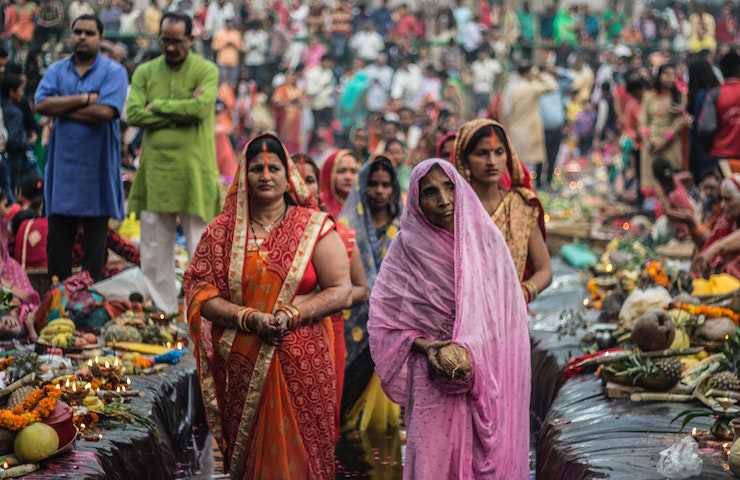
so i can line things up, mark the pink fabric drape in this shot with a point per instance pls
(462, 287)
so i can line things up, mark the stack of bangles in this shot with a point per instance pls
(530, 290)
(293, 314)
(242, 317)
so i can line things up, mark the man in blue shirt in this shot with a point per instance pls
(85, 94)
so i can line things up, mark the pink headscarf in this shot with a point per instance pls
(462, 287)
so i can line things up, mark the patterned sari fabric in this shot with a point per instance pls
(373, 244)
(271, 409)
(520, 210)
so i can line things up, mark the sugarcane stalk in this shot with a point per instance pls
(18, 471)
(723, 393)
(660, 397)
(26, 380)
(693, 383)
(618, 356)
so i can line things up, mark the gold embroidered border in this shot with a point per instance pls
(208, 390)
(264, 358)
(236, 263)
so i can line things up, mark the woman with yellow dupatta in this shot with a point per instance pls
(267, 274)
(484, 155)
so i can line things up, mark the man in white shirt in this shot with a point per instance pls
(406, 87)
(485, 69)
(320, 87)
(379, 76)
(367, 43)
(132, 21)
(256, 46)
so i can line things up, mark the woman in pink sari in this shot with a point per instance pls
(448, 279)
(16, 318)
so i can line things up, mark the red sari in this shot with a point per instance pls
(271, 409)
(327, 194)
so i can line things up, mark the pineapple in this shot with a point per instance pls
(724, 381)
(661, 374)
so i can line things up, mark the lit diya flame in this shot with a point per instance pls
(179, 345)
(90, 363)
(88, 386)
(693, 432)
(66, 384)
(169, 345)
(107, 364)
(74, 386)
(5, 465)
(97, 360)
(128, 381)
(115, 362)
(82, 426)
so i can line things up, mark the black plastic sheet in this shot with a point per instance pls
(583, 434)
(172, 401)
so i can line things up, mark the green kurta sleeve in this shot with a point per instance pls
(193, 108)
(136, 112)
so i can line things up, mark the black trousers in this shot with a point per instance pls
(553, 139)
(62, 235)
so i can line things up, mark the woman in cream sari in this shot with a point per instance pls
(484, 155)
(267, 274)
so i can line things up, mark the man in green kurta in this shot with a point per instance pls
(173, 99)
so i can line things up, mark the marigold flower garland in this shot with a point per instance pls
(709, 311)
(37, 405)
(655, 271)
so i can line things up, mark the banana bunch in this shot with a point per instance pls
(59, 333)
(93, 403)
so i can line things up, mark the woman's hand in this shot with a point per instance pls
(267, 327)
(430, 348)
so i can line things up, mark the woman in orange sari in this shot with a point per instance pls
(485, 156)
(266, 276)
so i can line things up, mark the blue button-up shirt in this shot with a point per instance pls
(83, 161)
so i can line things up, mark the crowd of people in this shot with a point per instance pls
(348, 179)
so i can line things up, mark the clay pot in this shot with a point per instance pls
(653, 331)
(61, 421)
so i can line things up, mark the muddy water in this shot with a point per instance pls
(370, 456)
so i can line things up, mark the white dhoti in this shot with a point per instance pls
(158, 234)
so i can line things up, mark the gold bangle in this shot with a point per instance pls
(293, 314)
(531, 288)
(242, 317)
